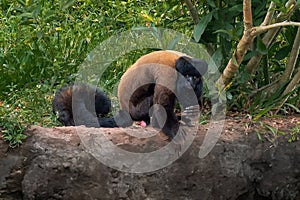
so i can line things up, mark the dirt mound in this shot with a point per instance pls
(249, 161)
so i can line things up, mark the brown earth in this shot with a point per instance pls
(251, 160)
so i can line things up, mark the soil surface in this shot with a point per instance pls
(250, 161)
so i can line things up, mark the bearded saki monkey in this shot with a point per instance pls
(154, 81)
(88, 99)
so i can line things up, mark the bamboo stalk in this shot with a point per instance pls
(270, 14)
(291, 63)
(294, 83)
(270, 36)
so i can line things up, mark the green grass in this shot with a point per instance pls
(25, 107)
(42, 43)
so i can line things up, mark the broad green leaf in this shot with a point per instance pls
(174, 42)
(261, 47)
(283, 52)
(236, 8)
(217, 57)
(259, 8)
(250, 55)
(201, 26)
(234, 61)
(211, 3)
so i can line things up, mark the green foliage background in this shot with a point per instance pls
(42, 43)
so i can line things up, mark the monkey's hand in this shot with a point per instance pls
(190, 115)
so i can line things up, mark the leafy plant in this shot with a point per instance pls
(268, 132)
(295, 133)
(42, 43)
(11, 128)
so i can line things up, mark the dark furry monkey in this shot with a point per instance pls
(88, 99)
(152, 80)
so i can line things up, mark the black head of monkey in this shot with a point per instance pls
(156, 69)
(191, 70)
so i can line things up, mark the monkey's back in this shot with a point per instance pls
(157, 67)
